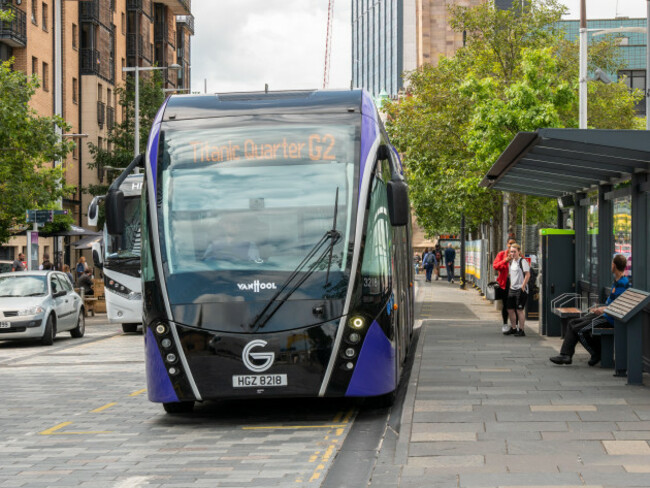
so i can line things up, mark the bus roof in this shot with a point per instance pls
(183, 107)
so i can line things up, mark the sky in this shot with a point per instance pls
(241, 45)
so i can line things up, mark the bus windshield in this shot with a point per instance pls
(128, 244)
(254, 201)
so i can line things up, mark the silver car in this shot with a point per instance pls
(37, 305)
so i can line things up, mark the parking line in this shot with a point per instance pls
(100, 409)
(136, 393)
(289, 427)
(53, 430)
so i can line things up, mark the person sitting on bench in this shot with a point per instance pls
(86, 283)
(580, 329)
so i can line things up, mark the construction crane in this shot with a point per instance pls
(328, 43)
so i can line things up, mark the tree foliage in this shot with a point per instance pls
(121, 138)
(29, 147)
(515, 73)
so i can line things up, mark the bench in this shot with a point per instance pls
(606, 335)
(560, 307)
(628, 346)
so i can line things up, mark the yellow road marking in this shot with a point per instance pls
(100, 409)
(337, 417)
(52, 430)
(317, 471)
(56, 427)
(348, 416)
(136, 393)
(289, 427)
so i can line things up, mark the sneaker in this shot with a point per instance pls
(561, 359)
(452, 282)
(505, 328)
(510, 331)
(520, 333)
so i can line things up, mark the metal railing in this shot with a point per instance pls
(101, 113)
(89, 11)
(90, 61)
(187, 20)
(14, 33)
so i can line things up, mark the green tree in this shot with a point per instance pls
(121, 137)
(29, 146)
(516, 73)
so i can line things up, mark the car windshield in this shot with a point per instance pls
(22, 286)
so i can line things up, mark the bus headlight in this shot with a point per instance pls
(171, 357)
(357, 322)
(349, 352)
(354, 338)
(166, 343)
(161, 329)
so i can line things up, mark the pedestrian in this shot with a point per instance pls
(438, 254)
(580, 329)
(502, 265)
(517, 295)
(428, 262)
(46, 264)
(450, 257)
(18, 265)
(81, 267)
(85, 282)
(66, 270)
(416, 262)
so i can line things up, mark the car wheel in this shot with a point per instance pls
(178, 407)
(80, 329)
(129, 327)
(50, 332)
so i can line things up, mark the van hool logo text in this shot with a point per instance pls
(256, 286)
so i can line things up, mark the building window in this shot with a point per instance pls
(109, 96)
(123, 23)
(75, 91)
(46, 77)
(34, 12)
(44, 15)
(75, 151)
(635, 80)
(123, 66)
(100, 92)
(74, 36)
(34, 66)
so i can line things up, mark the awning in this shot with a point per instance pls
(556, 162)
(87, 242)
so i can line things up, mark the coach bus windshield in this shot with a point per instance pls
(255, 201)
(128, 244)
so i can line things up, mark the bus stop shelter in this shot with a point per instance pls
(601, 180)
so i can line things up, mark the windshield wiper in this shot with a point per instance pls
(333, 235)
(329, 262)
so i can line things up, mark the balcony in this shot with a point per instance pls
(101, 113)
(90, 62)
(186, 21)
(89, 11)
(14, 33)
(134, 45)
(110, 118)
(177, 7)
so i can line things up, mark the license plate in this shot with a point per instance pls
(259, 380)
(5, 325)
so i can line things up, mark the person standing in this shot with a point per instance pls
(66, 270)
(46, 264)
(81, 267)
(428, 262)
(517, 295)
(580, 329)
(18, 265)
(450, 257)
(501, 264)
(438, 253)
(86, 282)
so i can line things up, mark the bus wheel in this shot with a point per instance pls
(48, 335)
(178, 407)
(129, 327)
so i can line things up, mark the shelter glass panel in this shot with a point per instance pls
(622, 224)
(590, 270)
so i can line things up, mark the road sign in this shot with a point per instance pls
(42, 216)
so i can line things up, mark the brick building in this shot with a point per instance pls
(78, 50)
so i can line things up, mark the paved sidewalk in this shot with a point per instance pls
(487, 410)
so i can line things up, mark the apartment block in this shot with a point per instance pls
(78, 49)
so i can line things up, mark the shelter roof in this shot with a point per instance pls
(556, 162)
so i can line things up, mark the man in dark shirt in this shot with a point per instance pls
(18, 265)
(580, 329)
(86, 283)
(450, 257)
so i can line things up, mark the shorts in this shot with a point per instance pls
(516, 299)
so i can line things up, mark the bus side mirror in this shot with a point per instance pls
(399, 210)
(97, 255)
(115, 212)
(93, 211)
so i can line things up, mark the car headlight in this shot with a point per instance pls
(30, 311)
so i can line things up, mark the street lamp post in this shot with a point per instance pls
(136, 70)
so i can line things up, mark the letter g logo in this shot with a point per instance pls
(247, 355)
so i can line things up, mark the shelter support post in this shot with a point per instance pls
(640, 231)
(580, 224)
(605, 242)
